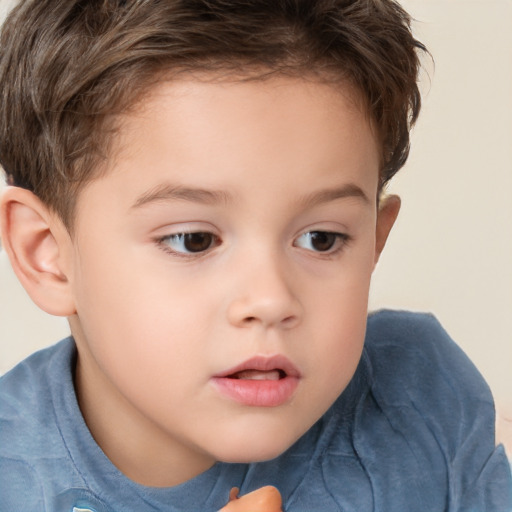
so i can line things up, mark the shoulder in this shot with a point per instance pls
(408, 332)
(27, 426)
(430, 395)
(26, 401)
(26, 398)
(25, 390)
(414, 364)
(411, 353)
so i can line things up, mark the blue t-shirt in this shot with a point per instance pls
(413, 431)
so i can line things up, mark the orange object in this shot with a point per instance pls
(266, 499)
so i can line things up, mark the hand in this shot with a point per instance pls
(265, 499)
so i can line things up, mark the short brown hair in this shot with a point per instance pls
(67, 67)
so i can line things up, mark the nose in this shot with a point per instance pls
(265, 297)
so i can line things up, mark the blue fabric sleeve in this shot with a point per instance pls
(418, 370)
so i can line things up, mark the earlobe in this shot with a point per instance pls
(386, 217)
(34, 240)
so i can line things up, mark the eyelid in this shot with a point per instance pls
(179, 231)
(340, 243)
(192, 226)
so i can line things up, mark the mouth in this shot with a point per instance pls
(260, 382)
(262, 368)
(258, 375)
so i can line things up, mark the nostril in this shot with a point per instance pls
(289, 320)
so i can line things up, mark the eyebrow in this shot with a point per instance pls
(350, 190)
(169, 192)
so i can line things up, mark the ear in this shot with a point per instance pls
(37, 243)
(386, 216)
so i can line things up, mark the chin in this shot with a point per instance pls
(251, 455)
(253, 448)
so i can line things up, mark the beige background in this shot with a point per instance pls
(451, 252)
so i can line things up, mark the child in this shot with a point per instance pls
(198, 186)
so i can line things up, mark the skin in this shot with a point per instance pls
(265, 499)
(274, 160)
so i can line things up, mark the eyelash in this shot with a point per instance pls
(163, 243)
(339, 243)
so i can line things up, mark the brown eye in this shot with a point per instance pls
(197, 242)
(321, 241)
(190, 243)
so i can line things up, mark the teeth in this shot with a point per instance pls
(257, 375)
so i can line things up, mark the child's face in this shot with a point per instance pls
(237, 221)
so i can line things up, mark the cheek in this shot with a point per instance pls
(139, 318)
(337, 322)
(343, 334)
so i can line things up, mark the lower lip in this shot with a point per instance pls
(258, 393)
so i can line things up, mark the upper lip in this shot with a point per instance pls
(264, 364)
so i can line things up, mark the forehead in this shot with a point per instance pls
(221, 102)
(224, 131)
